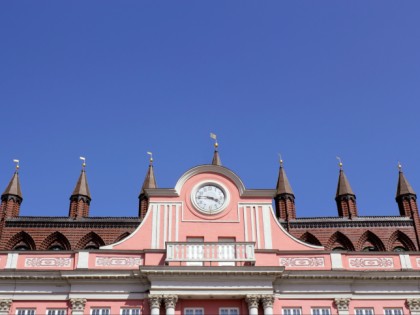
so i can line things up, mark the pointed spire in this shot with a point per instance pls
(13, 189)
(343, 187)
(12, 196)
(345, 197)
(82, 187)
(403, 187)
(149, 180)
(283, 185)
(216, 158)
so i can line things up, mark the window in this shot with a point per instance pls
(25, 312)
(130, 311)
(393, 311)
(229, 311)
(193, 311)
(364, 311)
(292, 311)
(100, 311)
(320, 311)
(56, 312)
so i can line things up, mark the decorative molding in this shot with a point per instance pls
(413, 304)
(342, 304)
(5, 305)
(267, 300)
(170, 301)
(155, 300)
(371, 262)
(78, 304)
(302, 262)
(418, 262)
(118, 262)
(252, 300)
(48, 262)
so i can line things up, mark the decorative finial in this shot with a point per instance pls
(280, 160)
(399, 166)
(213, 136)
(84, 162)
(17, 164)
(151, 157)
(340, 163)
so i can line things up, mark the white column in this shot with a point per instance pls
(414, 306)
(267, 302)
(5, 306)
(77, 306)
(253, 301)
(342, 305)
(170, 302)
(154, 302)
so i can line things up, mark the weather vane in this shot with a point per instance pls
(399, 166)
(84, 161)
(340, 163)
(280, 160)
(151, 156)
(17, 163)
(213, 136)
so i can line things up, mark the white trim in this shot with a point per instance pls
(245, 222)
(83, 260)
(257, 223)
(405, 262)
(177, 223)
(336, 261)
(12, 259)
(268, 242)
(251, 211)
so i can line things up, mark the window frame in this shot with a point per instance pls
(321, 308)
(56, 310)
(363, 310)
(194, 309)
(291, 309)
(393, 309)
(100, 308)
(130, 309)
(26, 311)
(228, 308)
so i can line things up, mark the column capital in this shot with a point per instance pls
(342, 304)
(77, 304)
(5, 305)
(252, 300)
(413, 304)
(170, 300)
(267, 300)
(155, 300)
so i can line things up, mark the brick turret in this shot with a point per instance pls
(345, 197)
(80, 198)
(284, 199)
(149, 182)
(11, 198)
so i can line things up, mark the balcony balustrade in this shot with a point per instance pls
(195, 253)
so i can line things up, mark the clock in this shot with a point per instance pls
(209, 198)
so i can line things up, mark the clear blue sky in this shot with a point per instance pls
(112, 80)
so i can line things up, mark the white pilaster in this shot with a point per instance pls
(12, 259)
(154, 302)
(253, 301)
(342, 305)
(77, 306)
(5, 306)
(336, 261)
(170, 302)
(267, 302)
(414, 306)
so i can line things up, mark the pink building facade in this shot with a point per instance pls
(209, 246)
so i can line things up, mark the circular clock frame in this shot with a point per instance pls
(219, 186)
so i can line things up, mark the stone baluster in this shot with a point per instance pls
(342, 305)
(170, 302)
(267, 302)
(253, 301)
(77, 306)
(414, 306)
(154, 302)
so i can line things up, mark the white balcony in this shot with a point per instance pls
(195, 253)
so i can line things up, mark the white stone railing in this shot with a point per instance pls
(210, 251)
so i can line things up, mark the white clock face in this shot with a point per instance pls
(209, 198)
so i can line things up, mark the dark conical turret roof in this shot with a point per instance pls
(216, 158)
(149, 181)
(283, 185)
(343, 187)
(14, 186)
(403, 187)
(82, 187)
